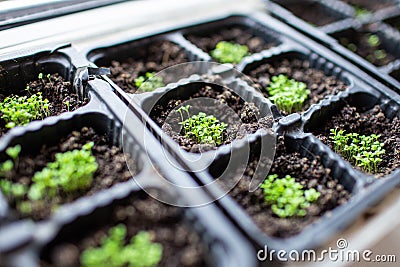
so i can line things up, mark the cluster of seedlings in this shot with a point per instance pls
(49, 95)
(365, 151)
(369, 46)
(202, 128)
(72, 171)
(114, 251)
(36, 185)
(228, 52)
(287, 197)
(288, 95)
(149, 82)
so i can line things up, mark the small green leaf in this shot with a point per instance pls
(13, 152)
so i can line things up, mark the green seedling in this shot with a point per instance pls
(288, 94)
(7, 166)
(373, 40)
(7, 187)
(28, 89)
(40, 77)
(380, 54)
(365, 151)
(20, 110)
(67, 104)
(201, 128)
(360, 12)
(287, 197)
(49, 78)
(227, 52)
(114, 252)
(71, 171)
(149, 82)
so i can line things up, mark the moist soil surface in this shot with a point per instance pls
(236, 34)
(56, 90)
(317, 82)
(370, 5)
(396, 74)
(394, 22)
(357, 42)
(181, 244)
(312, 12)
(309, 172)
(153, 58)
(366, 123)
(112, 169)
(242, 118)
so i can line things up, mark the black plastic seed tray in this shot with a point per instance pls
(361, 20)
(289, 45)
(26, 242)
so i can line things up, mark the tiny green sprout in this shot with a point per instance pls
(6, 187)
(364, 151)
(149, 82)
(20, 110)
(114, 251)
(352, 47)
(288, 94)
(49, 78)
(380, 54)
(201, 128)
(287, 197)
(6, 168)
(373, 40)
(28, 88)
(13, 152)
(228, 52)
(67, 104)
(40, 77)
(183, 108)
(24, 207)
(360, 12)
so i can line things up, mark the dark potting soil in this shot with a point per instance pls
(357, 42)
(394, 22)
(242, 118)
(371, 5)
(181, 245)
(395, 74)
(56, 90)
(112, 169)
(317, 82)
(152, 58)
(311, 11)
(309, 172)
(366, 123)
(237, 34)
